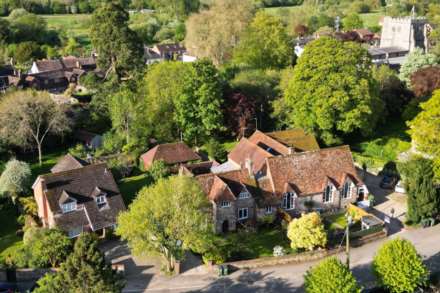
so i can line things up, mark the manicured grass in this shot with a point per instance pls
(130, 186)
(260, 243)
(336, 221)
(371, 19)
(9, 241)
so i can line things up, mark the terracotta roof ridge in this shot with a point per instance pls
(91, 166)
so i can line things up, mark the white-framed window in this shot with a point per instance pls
(328, 194)
(268, 209)
(244, 194)
(243, 213)
(225, 204)
(68, 207)
(361, 191)
(289, 201)
(346, 190)
(101, 199)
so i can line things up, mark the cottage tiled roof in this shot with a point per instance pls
(80, 185)
(309, 172)
(170, 153)
(246, 150)
(226, 186)
(49, 65)
(68, 162)
(168, 48)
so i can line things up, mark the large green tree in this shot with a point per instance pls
(46, 247)
(28, 117)
(265, 44)
(167, 218)
(199, 107)
(118, 48)
(398, 267)
(425, 129)
(163, 84)
(213, 33)
(416, 60)
(85, 270)
(15, 179)
(127, 110)
(423, 198)
(352, 21)
(330, 275)
(331, 91)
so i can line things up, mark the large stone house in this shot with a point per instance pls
(323, 180)
(78, 197)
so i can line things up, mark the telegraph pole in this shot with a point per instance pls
(347, 240)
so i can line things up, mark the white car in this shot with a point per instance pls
(400, 187)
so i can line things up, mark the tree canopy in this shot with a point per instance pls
(264, 44)
(27, 117)
(85, 270)
(167, 218)
(116, 45)
(416, 60)
(423, 198)
(425, 81)
(307, 232)
(330, 275)
(213, 33)
(424, 129)
(352, 21)
(15, 179)
(331, 91)
(398, 267)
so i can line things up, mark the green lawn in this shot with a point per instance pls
(336, 221)
(371, 19)
(258, 244)
(9, 241)
(130, 186)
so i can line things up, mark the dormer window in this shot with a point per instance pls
(328, 194)
(244, 194)
(225, 204)
(289, 201)
(346, 190)
(101, 200)
(68, 207)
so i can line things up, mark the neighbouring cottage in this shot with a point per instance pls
(173, 154)
(323, 180)
(78, 197)
(260, 146)
(164, 52)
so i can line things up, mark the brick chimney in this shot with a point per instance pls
(249, 165)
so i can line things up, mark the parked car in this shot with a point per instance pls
(400, 187)
(388, 182)
(8, 287)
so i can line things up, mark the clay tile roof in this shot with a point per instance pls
(244, 150)
(309, 172)
(49, 65)
(226, 186)
(170, 153)
(80, 184)
(68, 162)
(296, 138)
